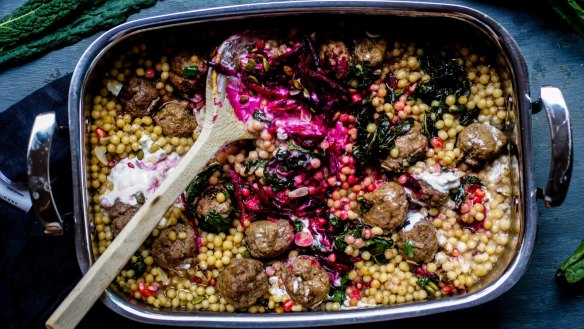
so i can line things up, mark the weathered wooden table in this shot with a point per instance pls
(555, 56)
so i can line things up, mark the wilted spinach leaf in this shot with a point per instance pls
(447, 77)
(364, 204)
(215, 223)
(470, 180)
(198, 185)
(364, 75)
(408, 248)
(469, 116)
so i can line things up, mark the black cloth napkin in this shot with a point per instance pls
(38, 271)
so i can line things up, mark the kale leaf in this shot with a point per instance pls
(101, 15)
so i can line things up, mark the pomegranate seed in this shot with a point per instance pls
(245, 192)
(351, 179)
(403, 179)
(260, 44)
(150, 73)
(111, 164)
(212, 282)
(356, 97)
(288, 305)
(437, 142)
(131, 165)
(359, 286)
(100, 132)
(332, 258)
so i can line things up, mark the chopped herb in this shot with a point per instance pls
(364, 204)
(298, 225)
(190, 72)
(259, 116)
(337, 295)
(377, 245)
(139, 266)
(428, 284)
(335, 221)
(408, 248)
(140, 197)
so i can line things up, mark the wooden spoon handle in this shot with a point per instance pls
(111, 262)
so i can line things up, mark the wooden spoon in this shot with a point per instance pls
(220, 127)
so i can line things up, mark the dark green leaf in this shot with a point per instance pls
(190, 72)
(139, 197)
(215, 223)
(377, 245)
(364, 75)
(392, 95)
(458, 196)
(470, 180)
(199, 184)
(298, 225)
(337, 295)
(433, 114)
(447, 77)
(408, 248)
(364, 204)
(276, 183)
(255, 164)
(423, 281)
(467, 117)
(139, 266)
(102, 15)
(572, 269)
(336, 222)
(259, 116)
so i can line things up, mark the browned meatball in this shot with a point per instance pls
(139, 96)
(175, 120)
(208, 202)
(422, 236)
(388, 206)
(188, 72)
(243, 282)
(431, 195)
(305, 280)
(480, 142)
(370, 51)
(335, 57)
(170, 251)
(266, 239)
(410, 146)
(120, 214)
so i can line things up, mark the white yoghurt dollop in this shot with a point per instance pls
(442, 182)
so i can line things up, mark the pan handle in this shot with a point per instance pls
(552, 100)
(39, 181)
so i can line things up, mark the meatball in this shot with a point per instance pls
(410, 147)
(388, 206)
(208, 202)
(422, 236)
(188, 72)
(305, 280)
(335, 57)
(121, 214)
(431, 196)
(267, 239)
(175, 120)
(370, 51)
(480, 142)
(171, 251)
(139, 96)
(243, 282)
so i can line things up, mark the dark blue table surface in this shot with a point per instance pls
(554, 55)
